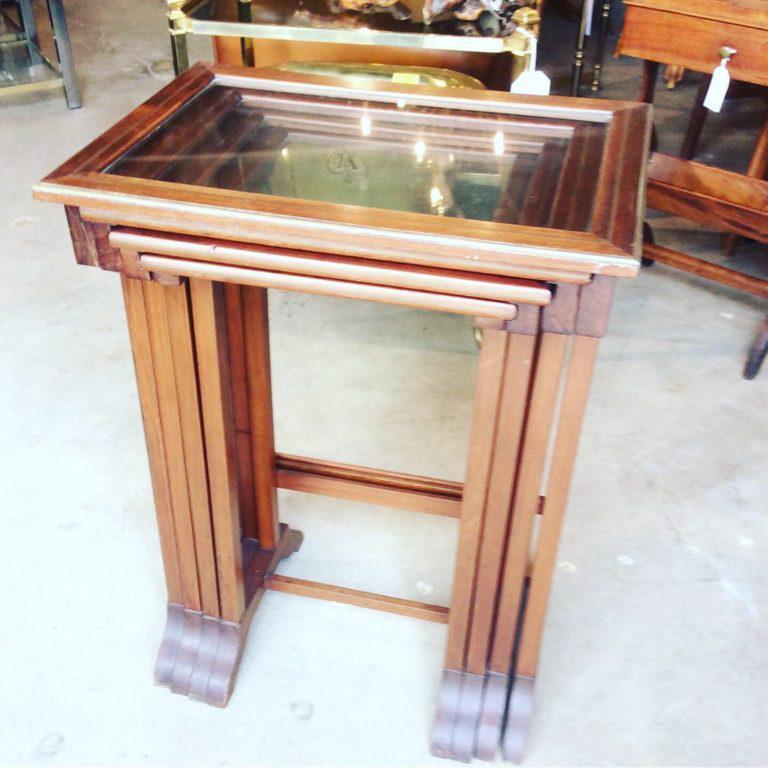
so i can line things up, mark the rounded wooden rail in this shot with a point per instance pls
(462, 305)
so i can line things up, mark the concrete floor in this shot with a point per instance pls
(655, 645)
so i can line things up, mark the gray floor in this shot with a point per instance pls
(655, 650)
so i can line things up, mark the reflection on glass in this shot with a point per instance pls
(444, 162)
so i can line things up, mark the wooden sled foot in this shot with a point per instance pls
(519, 716)
(458, 711)
(491, 721)
(199, 655)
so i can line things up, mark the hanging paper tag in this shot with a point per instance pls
(718, 87)
(532, 83)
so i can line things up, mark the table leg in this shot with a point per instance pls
(524, 508)
(574, 402)
(757, 353)
(696, 120)
(490, 374)
(30, 30)
(578, 53)
(64, 51)
(650, 76)
(504, 377)
(178, 34)
(214, 578)
(602, 40)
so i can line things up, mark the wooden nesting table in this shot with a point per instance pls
(519, 212)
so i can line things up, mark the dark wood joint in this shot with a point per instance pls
(559, 316)
(90, 241)
(130, 266)
(595, 304)
(162, 278)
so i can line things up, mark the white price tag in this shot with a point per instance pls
(718, 87)
(532, 82)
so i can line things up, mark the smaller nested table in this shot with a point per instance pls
(519, 212)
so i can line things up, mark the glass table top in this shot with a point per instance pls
(444, 17)
(394, 156)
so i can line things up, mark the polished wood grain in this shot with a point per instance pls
(372, 486)
(209, 326)
(181, 345)
(259, 383)
(465, 244)
(654, 31)
(563, 457)
(723, 199)
(138, 329)
(411, 608)
(325, 287)
(139, 123)
(489, 246)
(708, 270)
(492, 287)
(156, 310)
(233, 301)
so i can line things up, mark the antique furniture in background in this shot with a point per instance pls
(519, 212)
(652, 31)
(271, 32)
(587, 19)
(23, 67)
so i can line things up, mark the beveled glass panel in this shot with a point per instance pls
(396, 156)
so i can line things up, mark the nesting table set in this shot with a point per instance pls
(519, 212)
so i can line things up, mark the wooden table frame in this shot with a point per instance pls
(195, 264)
(732, 202)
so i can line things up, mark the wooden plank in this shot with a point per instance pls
(209, 318)
(162, 361)
(574, 404)
(512, 408)
(490, 371)
(259, 376)
(654, 33)
(185, 376)
(382, 477)
(139, 123)
(699, 192)
(464, 244)
(709, 271)
(749, 13)
(138, 329)
(412, 608)
(325, 287)
(239, 383)
(526, 498)
(370, 491)
(415, 277)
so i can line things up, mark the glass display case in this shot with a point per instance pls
(473, 36)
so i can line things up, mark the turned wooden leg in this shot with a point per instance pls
(214, 576)
(574, 402)
(648, 93)
(504, 375)
(696, 120)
